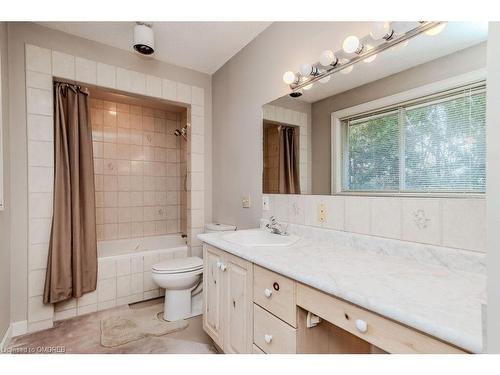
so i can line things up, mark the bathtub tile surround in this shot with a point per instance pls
(42, 65)
(457, 223)
(124, 274)
(138, 174)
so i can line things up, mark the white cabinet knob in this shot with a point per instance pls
(361, 325)
(268, 292)
(223, 267)
(268, 338)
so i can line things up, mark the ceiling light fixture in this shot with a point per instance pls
(329, 63)
(352, 44)
(382, 30)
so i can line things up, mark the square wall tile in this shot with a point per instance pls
(386, 217)
(123, 79)
(37, 311)
(296, 209)
(40, 205)
(37, 256)
(36, 283)
(86, 70)
(38, 59)
(39, 102)
(38, 80)
(357, 214)
(421, 220)
(153, 86)
(464, 223)
(169, 90)
(106, 75)
(40, 154)
(183, 93)
(335, 212)
(106, 290)
(63, 65)
(40, 128)
(39, 230)
(198, 96)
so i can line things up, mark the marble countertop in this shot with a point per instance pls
(440, 301)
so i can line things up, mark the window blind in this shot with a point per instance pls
(432, 144)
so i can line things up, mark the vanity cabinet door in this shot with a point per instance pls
(213, 297)
(238, 313)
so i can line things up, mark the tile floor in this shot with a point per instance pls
(82, 335)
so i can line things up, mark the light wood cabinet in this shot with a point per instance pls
(250, 309)
(228, 301)
(213, 293)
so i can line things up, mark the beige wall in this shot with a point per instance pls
(5, 214)
(250, 79)
(20, 34)
(461, 62)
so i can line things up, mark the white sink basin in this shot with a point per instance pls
(259, 237)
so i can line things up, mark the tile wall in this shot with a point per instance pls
(137, 167)
(121, 280)
(42, 65)
(452, 222)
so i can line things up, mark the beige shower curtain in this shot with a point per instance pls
(289, 164)
(72, 261)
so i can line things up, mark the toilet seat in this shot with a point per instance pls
(178, 266)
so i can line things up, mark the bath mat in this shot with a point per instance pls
(135, 324)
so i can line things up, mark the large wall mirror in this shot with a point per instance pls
(407, 121)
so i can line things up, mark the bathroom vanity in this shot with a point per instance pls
(260, 300)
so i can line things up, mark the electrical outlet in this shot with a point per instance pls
(245, 201)
(265, 203)
(322, 213)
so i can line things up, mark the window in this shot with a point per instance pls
(436, 144)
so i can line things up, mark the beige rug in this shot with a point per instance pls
(135, 324)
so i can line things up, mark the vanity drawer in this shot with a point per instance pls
(384, 333)
(275, 293)
(271, 334)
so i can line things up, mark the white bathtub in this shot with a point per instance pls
(124, 273)
(138, 245)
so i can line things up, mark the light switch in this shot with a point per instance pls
(265, 203)
(245, 201)
(322, 213)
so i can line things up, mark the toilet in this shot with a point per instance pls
(182, 280)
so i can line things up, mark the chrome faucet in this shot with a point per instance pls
(275, 227)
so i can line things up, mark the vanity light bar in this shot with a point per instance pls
(364, 54)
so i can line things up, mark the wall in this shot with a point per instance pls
(137, 170)
(250, 79)
(5, 214)
(460, 62)
(118, 69)
(492, 188)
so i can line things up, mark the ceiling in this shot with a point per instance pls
(202, 46)
(419, 50)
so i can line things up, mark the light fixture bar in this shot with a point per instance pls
(395, 40)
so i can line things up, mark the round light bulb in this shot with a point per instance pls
(381, 30)
(306, 70)
(371, 58)
(289, 77)
(348, 69)
(436, 30)
(325, 79)
(327, 58)
(352, 44)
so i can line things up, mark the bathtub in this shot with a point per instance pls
(124, 274)
(137, 245)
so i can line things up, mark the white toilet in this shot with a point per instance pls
(182, 281)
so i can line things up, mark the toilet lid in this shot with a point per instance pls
(179, 265)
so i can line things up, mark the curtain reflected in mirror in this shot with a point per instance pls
(281, 159)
